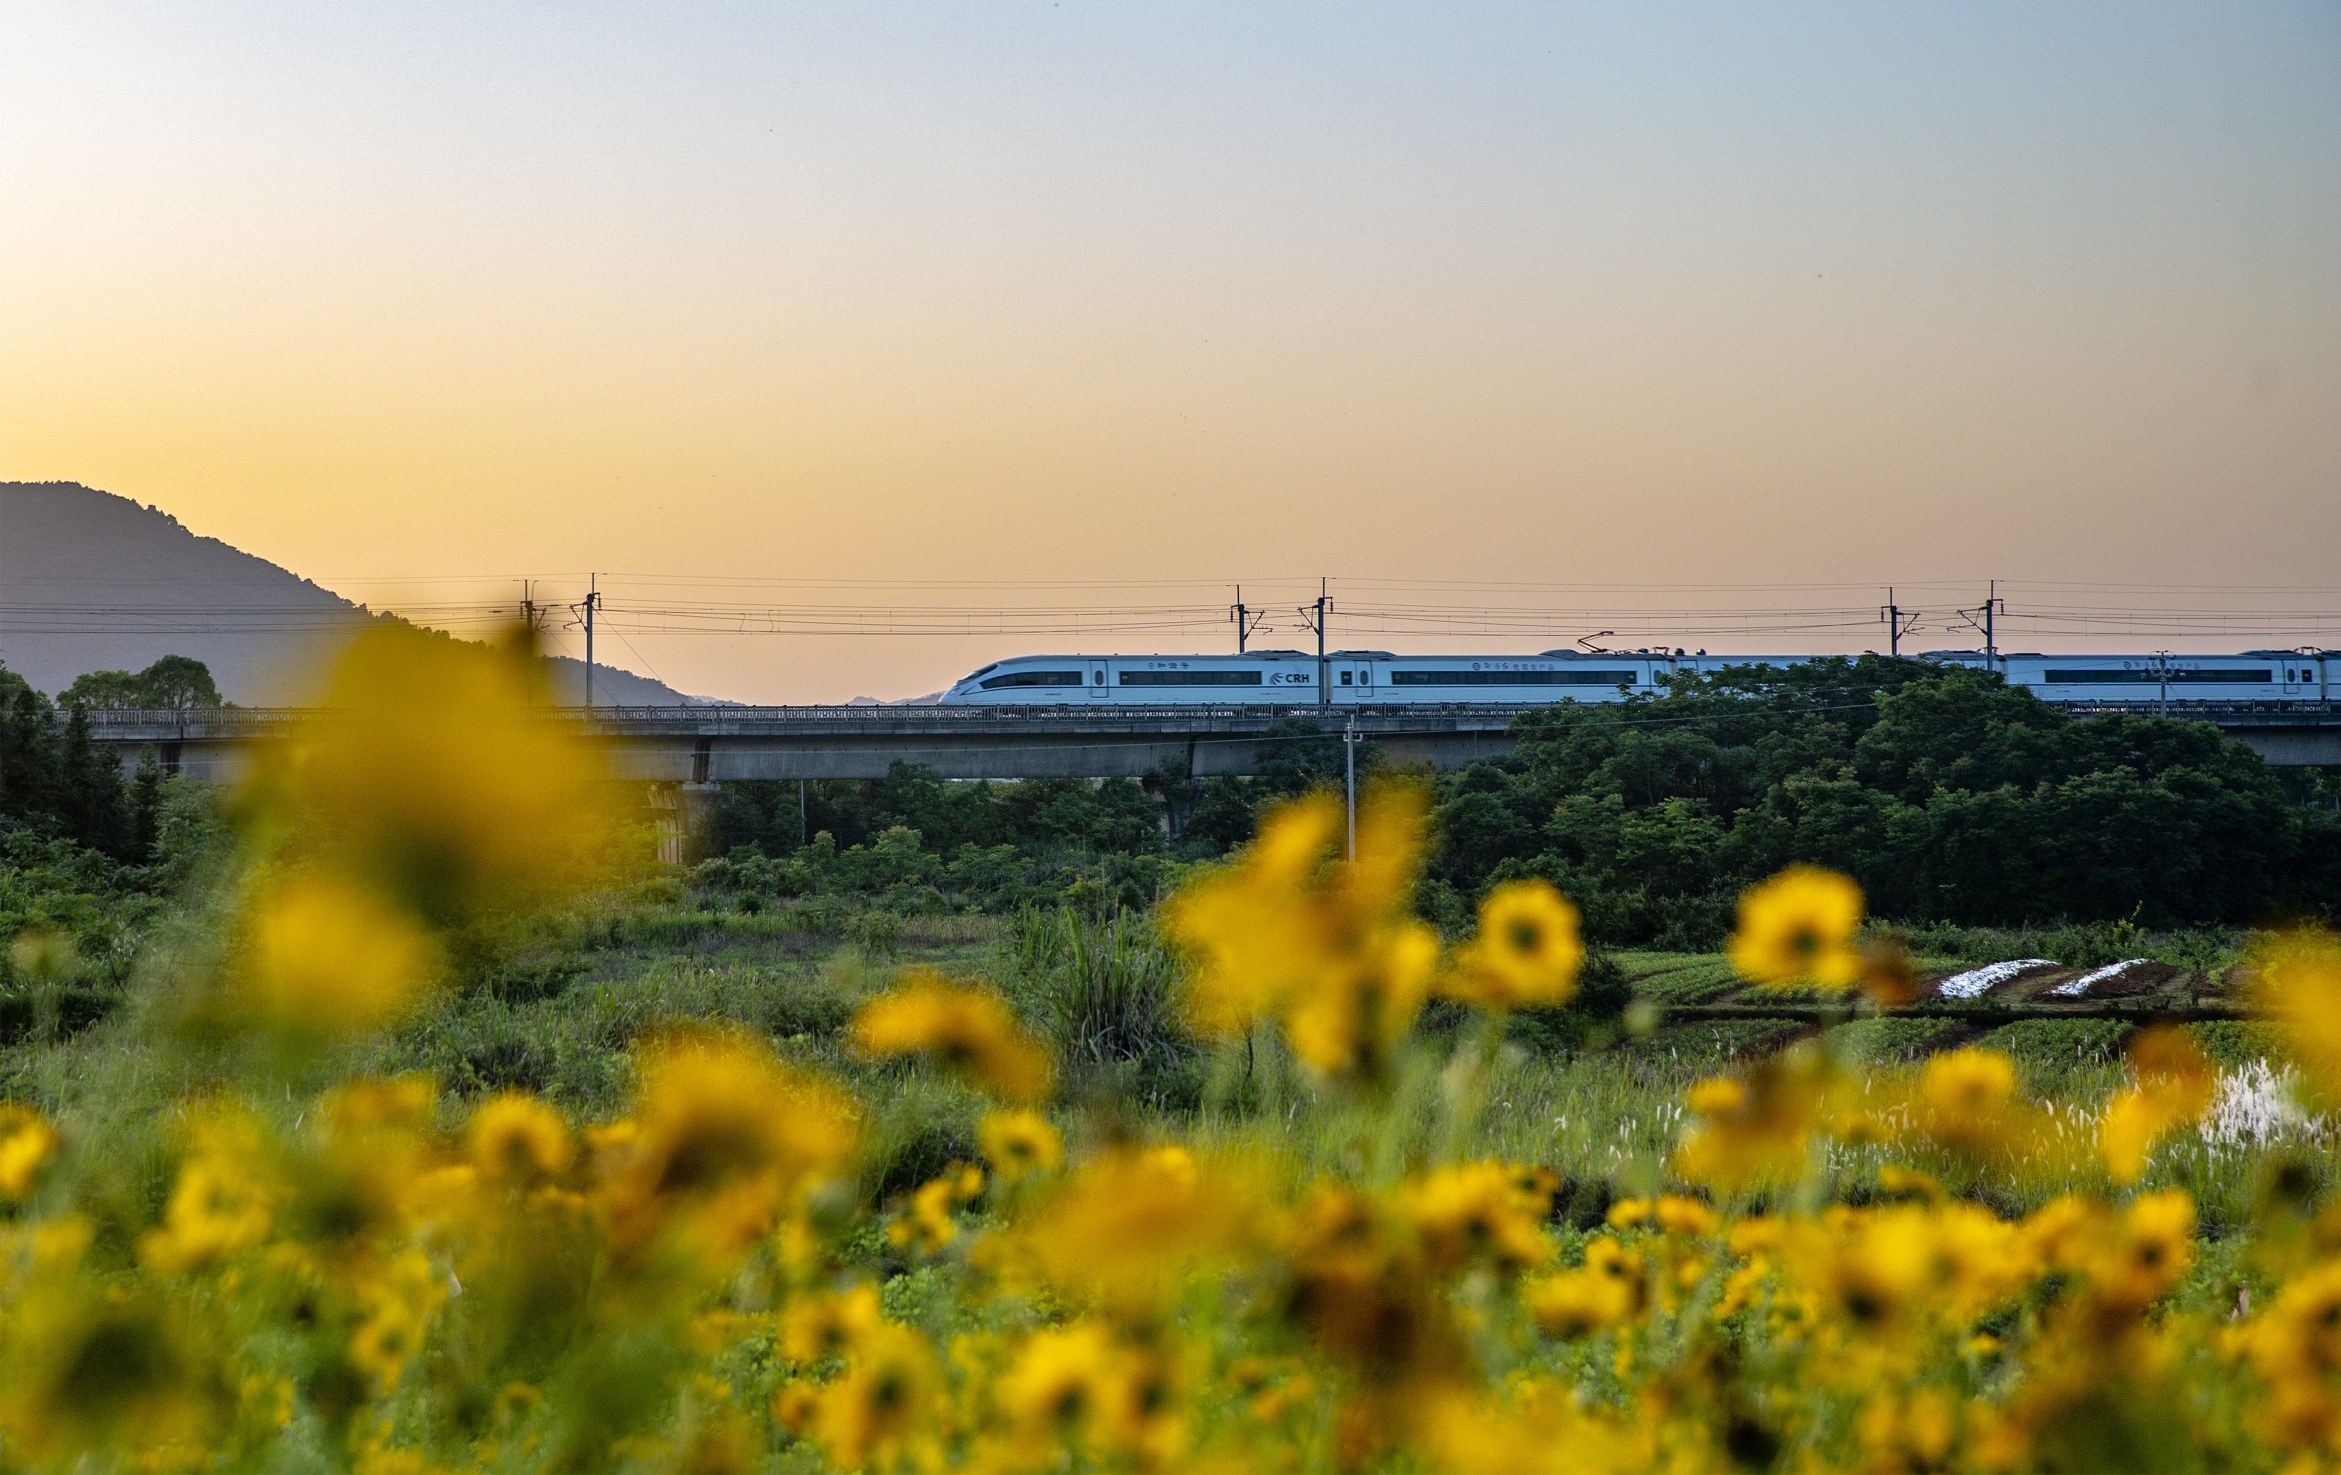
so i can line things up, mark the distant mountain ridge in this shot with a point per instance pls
(91, 581)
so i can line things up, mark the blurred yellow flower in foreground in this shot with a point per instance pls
(1527, 953)
(1077, 1387)
(2175, 1085)
(1020, 1145)
(437, 770)
(1797, 928)
(1469, 1213)
(224, 1199)
(1608, 1288)
(1968, 1101)
(883, 1406)
(969, 1029)
(1760, 1125)
(1349, 1019)
(2148, 1252)
(2296, 1350)
(517, 1140)
(1248, 923)
(1539, 1430)
(1126, 1227)
(1963, 1095)
(927, 1223)
(817, 1327)
(26, 1142)
(722, 1140)
(1059, 1383)
(327, 957)
(1889, 974)
(1878, 1269)
(1326, 946)
(88, 1370)
(2296, 981)
(1909, 1429)
(1672, 1212)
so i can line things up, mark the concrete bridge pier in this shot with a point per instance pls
(2293, 747)
(682, 810)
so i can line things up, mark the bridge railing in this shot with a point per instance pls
(228, 724)
(239, 721)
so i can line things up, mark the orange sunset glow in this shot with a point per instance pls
(1181, 297)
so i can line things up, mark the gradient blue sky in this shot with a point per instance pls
(1564, 294)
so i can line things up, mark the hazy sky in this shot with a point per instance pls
(1554, 294)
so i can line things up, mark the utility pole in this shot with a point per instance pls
(1349, 779)
(1246, 619)
(1991, 645)
(528, 622)
(1315, 615)
(1899, 622)
(2162, 670)
(1992, 605)
(593, 600)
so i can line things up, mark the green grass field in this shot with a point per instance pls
(557, 1012)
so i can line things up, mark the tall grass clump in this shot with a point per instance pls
(1105, 990)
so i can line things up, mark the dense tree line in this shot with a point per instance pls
(56, 783)
(1949, 794)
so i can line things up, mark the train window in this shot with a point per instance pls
(1513, 678)
(1033, 678)
(1190, 678)
(1345, 681)
(2148, 676)
(1098, 677)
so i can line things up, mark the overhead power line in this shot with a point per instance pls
(1926, 613)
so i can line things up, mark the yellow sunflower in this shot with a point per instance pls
(1797, 928)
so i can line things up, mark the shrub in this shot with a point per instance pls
(1105, 991)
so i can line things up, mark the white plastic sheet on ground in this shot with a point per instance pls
(1990, 976)
(2073, 988)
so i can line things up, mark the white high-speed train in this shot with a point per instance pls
(1378, 678)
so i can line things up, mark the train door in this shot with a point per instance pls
(1098, 677)
(2300, 678)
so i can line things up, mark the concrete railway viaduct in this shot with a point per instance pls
(716, 745)
(686, 754)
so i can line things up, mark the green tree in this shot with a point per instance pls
(103, 689)
(55, 780)
(178, 682)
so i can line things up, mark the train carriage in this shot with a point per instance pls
(2251, 679)
(1291, 678)
(1380, 678)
